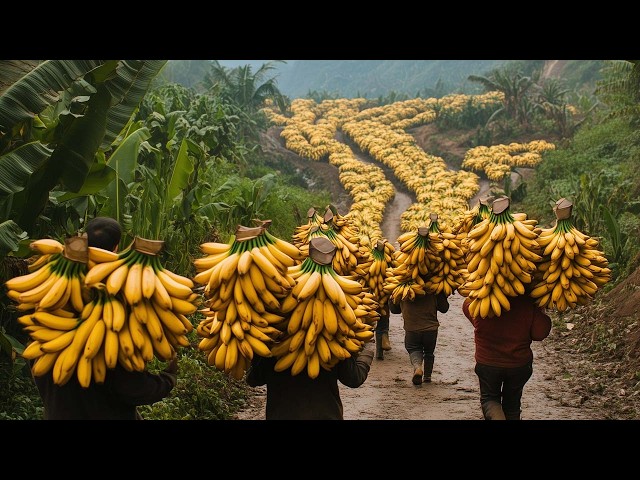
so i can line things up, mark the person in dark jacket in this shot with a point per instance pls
(122, 391)
(300, 397)
(420, 317)
(504, 359)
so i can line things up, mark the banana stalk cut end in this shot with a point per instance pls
(321, 250)
(487, 200)
(77, 248)
(562, 209)
(423, 231)
(150, 247)
(247, 233)
(499, 205)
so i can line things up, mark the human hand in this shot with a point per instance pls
(172, 367)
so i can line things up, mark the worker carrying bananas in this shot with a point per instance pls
(504, 360)
(382, 326)
(122, 390)
(420, 318)
(300, 397)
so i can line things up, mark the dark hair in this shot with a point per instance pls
(103, 232)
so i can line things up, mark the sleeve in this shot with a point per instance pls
(465, 310)
(442, 303)
(353, 371)
(140, 388)
(257, 372)
(541, 325)
(394, 307)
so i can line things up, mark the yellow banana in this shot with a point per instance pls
(47, 246)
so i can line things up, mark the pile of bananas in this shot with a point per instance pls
(245, 284)
(501, 260)
(450, 272)
(376, 277)
(330, 317)
(572, 268)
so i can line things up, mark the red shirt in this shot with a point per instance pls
(505, 341)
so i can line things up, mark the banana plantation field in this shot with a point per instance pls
(259, 226)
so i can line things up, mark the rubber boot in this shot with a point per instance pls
(493, 411)
(379, 350)
(386, 344)
(428, 368)
(512, 415)
(416, 361)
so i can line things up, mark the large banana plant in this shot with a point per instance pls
(55, 120)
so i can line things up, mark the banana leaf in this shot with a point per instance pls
(123, 162)
(181, 172)
(39, 88)
(128, 87)
(10, 236)
(17, 166)
(71, 161)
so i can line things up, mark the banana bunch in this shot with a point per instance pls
(419, 252)
(104, 334)
(330, 318)
(501, 260)
(470, 219)
(301, 233)
(56, 281)
(231, 342)
(141, 279)
(450, 272)
(376, 276)
(144, 305)
(400, 285)
(572, 268)
(245, 284)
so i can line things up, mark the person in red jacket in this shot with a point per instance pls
(504, 360)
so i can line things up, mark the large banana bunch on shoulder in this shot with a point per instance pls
(501, 260)
(329, 316)
(57, 282)
(419, 251)
(447, 274)
(143, 301)
(572, 269)
(470, 219)
(246, 282)
(400, 285)
(382, 260)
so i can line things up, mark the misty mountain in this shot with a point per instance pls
(349, 78)
(374, 78)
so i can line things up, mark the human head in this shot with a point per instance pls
(103, 232)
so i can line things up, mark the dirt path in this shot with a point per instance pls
(388, 393)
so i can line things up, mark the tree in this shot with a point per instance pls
(515, 86)
(248, 90)
(620, 88)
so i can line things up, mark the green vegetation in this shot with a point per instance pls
(183, 164)
(180, 166)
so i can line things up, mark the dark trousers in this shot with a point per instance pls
(421, 345)
(382, 325)
(502, 387)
